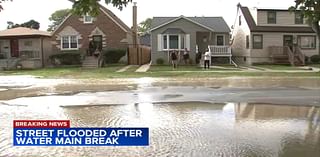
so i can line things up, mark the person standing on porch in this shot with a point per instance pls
(207, 56)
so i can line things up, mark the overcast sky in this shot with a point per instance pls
(19, 11)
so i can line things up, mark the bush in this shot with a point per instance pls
(315, 59)
(160, 61)
(113, 55)
(2, 56)
(66, 58)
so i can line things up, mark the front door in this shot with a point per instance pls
(97, 39)
(288, 41)
(14, 46)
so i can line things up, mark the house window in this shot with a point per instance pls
(170, 41)
(298, 18)
(257, 41)
(87, 18)
(69, 42)
(220, 39)
(239, 20)
(173, 41)
(272, 17)
(247, 42)
(307, 42)
(28, 43)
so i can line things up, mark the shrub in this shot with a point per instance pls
(113, 55)
(2, 56)
(160, 61)
(315, 59)
(66, 58)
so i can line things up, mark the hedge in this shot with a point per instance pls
(315, 59)
(66, 58)
(113, 55)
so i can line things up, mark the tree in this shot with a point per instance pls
(30, 24)
(1, 8)
(310, 9)
(81, 7)
(57, 17)
(145, 26)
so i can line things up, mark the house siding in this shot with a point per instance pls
(276, 39)
(189, 28)
(284, 18)
(239, 51)
(111, 32)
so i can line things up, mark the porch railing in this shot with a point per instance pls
(220, 50)
(29, 54)
(285, 52)
(300, 55)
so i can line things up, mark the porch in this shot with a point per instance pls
(286, 55)
(26, 59)
(217, 51)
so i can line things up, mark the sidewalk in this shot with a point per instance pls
(143, 68)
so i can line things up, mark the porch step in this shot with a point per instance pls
(90, 62)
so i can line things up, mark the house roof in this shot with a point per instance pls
(287, 29)
(114, 17)
(23, 31)
(216, 24)
(107, 12)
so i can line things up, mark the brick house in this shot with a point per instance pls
(76, 32)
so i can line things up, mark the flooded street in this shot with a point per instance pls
(231, 117)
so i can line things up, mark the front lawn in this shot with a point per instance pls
(155, 71)
(278, 67)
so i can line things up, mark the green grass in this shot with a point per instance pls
(315, 65)
(157, 68)
(155, 71)
(278, 67)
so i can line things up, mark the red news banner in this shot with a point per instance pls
(41, 124)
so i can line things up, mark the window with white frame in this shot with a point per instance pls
(307, 42)
(69, 42)
(257, 42)
(87, 18)
(173, 41)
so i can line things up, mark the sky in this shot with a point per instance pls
(20, 11)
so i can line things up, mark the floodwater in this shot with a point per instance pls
(271, 119)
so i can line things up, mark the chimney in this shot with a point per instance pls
(135, 25)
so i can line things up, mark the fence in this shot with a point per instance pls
(139, 55)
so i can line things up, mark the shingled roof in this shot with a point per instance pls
(23, 31)
(216, 24)
(287, 29)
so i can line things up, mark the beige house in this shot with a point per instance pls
(272, 36)
(24, 47)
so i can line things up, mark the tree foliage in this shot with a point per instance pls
(29, 24)
(310, 9)
(145, 26)
(91, 7)
(81, 7)
(1, 8)
(57, 17)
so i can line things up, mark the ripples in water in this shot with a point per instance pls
(182, 129)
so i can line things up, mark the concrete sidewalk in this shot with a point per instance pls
(144, 68)
(124, 68)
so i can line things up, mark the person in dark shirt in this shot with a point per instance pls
(174, 59)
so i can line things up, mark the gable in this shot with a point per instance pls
(216, 24)
(183, 24)
(104, 14)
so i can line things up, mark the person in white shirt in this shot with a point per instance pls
(207, 57)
